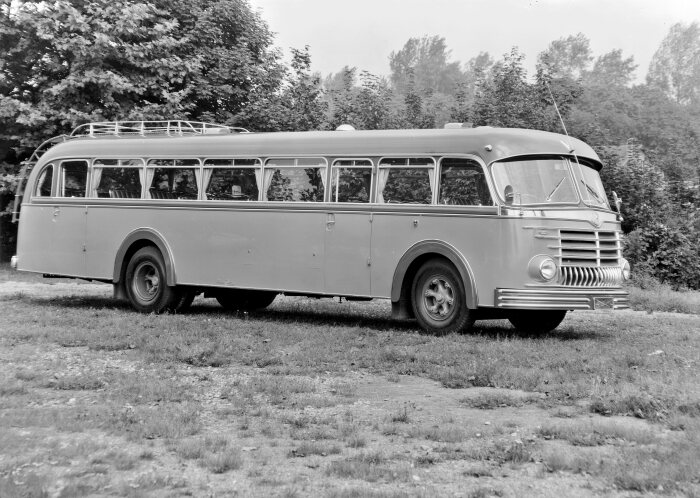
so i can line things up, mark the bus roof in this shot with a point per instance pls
(490, 144)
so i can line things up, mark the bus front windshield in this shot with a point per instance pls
(535, 181)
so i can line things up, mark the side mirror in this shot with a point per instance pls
(617, 201)
(509, 194)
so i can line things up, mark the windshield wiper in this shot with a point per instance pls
(590, 189)
(549, 197)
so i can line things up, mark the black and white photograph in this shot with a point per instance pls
(368, 249)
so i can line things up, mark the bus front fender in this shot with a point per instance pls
(411, 261)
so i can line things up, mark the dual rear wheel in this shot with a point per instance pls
(148, 291)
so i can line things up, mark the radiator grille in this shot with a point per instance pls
(579, 248)
(588, 258)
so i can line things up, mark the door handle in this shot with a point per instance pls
(330, 221)
(56, 211)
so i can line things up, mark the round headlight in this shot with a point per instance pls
(542, 268)
(626, 271)
(548, 269)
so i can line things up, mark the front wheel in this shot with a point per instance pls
(245, 300)
(438, 299)
(536, 321)
(146, 285)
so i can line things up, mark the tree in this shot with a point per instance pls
(423, 65)
(675, 67)
(506, 98)
(611, 70)
(567, 57)
(72, 61)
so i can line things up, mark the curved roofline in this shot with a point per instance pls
(489, 144)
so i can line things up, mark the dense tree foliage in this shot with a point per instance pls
(72, 61)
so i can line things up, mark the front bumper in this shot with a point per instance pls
(562, 299)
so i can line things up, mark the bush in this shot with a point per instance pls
(669, 253)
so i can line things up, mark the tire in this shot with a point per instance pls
(247, 300)
(146, 285)
(439, 300)
(536, 321)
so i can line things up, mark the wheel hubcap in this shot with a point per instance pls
(146, 282)
(438, 298)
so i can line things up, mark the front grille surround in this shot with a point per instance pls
(586, 258)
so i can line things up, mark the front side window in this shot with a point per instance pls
(73, 179)
(351, 180)
(463, 183)
(44, 182)
(534, 181)
(172, 178)
(117, 178)
(295, 180)
(590, 186)
(231, 179)
(405, 180)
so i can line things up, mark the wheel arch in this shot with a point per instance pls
(413, 259)
(143, 237)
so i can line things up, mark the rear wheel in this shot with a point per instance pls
(536, 321)
(438, 299)
(146, 285)
(238, 299)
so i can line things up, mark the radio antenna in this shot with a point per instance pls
(556, 107)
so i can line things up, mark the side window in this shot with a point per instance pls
(73, 179)
(43, 184)
(405, 180)
(117, 179)
(463, 183)
(351, 180)
(231, 179)
(295, 180)
(172, 178)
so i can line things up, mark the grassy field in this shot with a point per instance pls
(316, 397)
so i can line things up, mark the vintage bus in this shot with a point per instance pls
(452, 225)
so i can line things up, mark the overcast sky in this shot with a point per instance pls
(362, 33)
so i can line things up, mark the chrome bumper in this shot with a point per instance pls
(562, 299)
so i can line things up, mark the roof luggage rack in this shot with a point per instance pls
(170, 128)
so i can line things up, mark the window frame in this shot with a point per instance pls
(37, 184)
(484, 171)
(433, 185)
(257, 168)
(141, 168)
(61, 178)
(197, 174)
(323, 162)
(371, 167)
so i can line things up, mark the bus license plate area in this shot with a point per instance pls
(603, 303)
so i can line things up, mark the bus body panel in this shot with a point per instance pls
(52, 240)
(256, 249)
(348, 242)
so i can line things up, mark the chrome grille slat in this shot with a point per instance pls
(588, 249)
(587, 276)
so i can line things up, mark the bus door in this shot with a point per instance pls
(69, 220)
(349, 229)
